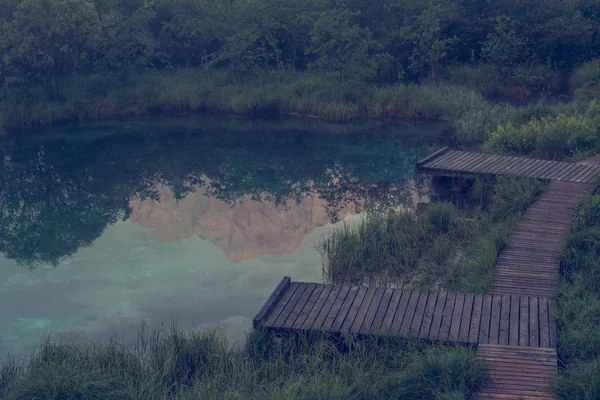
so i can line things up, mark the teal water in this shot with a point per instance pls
(190, 218)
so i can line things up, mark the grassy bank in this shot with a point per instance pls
(193, 365)
(578, 318)
(190, 90)
(440, 248)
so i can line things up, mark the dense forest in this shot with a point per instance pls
(79, 57)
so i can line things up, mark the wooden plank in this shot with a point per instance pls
(410, 312)
(397, 295)
(592, 171)
(397, 322)
(345, 308)
(482, 162)
(447, 317)
(534, 325)
(521, 167)
(458, 161)
(289, 307)
(504, 320)
(432, 156)
(584, 171)
(544, 166)
(300, 303)
(335, 308)
(568, 170)
(381, 311)
(362, 311)
(271, 302)
(308, 307)
(524, 167)
(513, 337)
(436, 321)
(373, 308)
(500, 164)
(319, 308)
(486, 313)
(419, 314)
(552, 322)
(428, 315)
(544, 323)
(476, 319)
(474, 161)
(272, 318)
(551, 172)
(575, 172)
(456, 317)
(495, 320)
(465, 323)
(440, 160)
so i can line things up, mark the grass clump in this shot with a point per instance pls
(443, 247)
(190, 365)
(556, 137)
(578, 317)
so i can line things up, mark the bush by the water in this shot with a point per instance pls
(193, 365)
(578, 317)
(551, 137)
(441, 247)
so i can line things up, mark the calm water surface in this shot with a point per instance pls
(192, 218)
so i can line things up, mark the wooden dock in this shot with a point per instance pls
(441, 316)
(512, 325)
(467, 164)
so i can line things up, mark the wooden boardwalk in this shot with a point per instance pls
(440, 316)
(530, 265)
(512, 325)
(468, 164)
(530, 262)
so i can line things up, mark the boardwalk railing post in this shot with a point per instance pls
(271, 302)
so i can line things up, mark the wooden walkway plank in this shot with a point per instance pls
(335, 308)
(271, 302)
(419, 314)
(467, 316)
(362, 311)
(381, 311)
(534, 332)
(456, 317)
(515, 306)
(386, 326)
(318, 308)
(355, 295)
(436, 321)
(428, 315)
(308, 307)
(272, 318)
(495, 319)
(486, 313)
(455, 163)
(447, 317)
(476, 319)
(372, 312)
(401, 311)
(504, 320)
(409, 315)
(301, 298)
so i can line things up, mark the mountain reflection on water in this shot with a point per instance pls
(248, 187)
(194, 218)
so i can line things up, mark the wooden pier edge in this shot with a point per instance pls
(432, 156)
(271, 302)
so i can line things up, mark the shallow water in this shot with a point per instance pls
(189, 218)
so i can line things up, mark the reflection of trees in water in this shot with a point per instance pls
(59, 195)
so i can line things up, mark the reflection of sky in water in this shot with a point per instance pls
(127, 276)
(199, 242)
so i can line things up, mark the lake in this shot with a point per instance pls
(193, 219)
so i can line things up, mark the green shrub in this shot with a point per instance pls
(556, 137)
(585, 81)
(580, 381)
(441, 216)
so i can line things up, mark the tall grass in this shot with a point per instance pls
(194, 365)
(578, 317)
(442, 247)
(190, 90)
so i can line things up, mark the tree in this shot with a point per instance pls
(503, 47)
(430, 47)
(50, 41)
(344, 49)
(127, 42)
